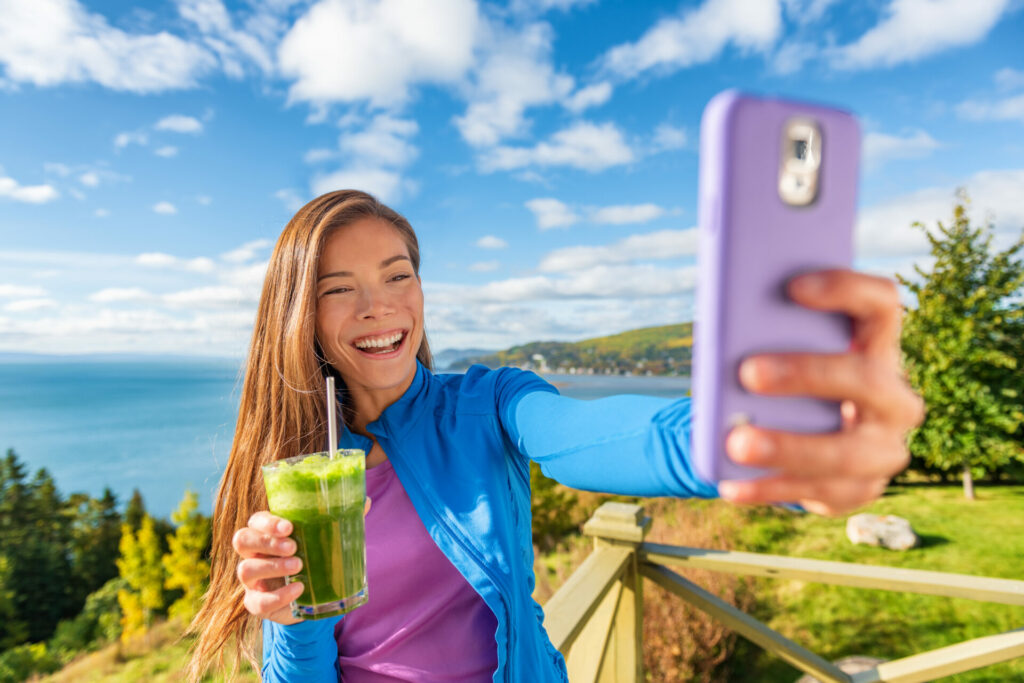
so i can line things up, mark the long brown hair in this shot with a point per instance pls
(281, 410)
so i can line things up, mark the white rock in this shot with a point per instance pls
(888, 531)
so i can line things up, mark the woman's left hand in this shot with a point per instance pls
(834, 473)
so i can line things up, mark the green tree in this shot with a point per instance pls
(186, 569)
(964, 349)
(140, 566)
(95, 540)
(12, 629)
(553, 510)
(135, 510)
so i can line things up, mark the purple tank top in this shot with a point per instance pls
(423, 622)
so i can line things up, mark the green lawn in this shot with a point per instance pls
(983, 538)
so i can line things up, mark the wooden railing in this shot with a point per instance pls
(595, 618)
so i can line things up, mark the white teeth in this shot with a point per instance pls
(377, 342)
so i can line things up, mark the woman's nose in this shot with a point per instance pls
(374, 302)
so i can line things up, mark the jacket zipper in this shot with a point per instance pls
(471, 551)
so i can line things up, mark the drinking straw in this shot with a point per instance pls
(332, 419)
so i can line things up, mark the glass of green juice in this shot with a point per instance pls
(323, 495)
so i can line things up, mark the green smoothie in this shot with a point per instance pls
(323, 498)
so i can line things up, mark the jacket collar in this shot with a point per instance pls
(398, 417)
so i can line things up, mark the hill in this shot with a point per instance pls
(664, 350)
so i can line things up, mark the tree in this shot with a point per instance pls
(186, 569)
(964, 349)
(95, 540)
(12, 629)
(135, 510)
(140, 566)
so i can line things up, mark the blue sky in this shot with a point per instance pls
(545, 150)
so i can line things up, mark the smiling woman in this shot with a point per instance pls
(449, 555)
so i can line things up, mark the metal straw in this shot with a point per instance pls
(332, 419)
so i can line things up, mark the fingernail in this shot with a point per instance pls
(728, 489)
(748, 373)
(286, 545)
(293, 564)
(761, 372)
(808, 285)
(750, 447)
(284, 527)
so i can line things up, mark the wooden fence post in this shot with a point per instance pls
(622, 525)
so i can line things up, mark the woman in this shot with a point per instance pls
(449, 553)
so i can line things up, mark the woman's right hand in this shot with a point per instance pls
(267, 556)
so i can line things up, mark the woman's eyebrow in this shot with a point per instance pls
(383, 264)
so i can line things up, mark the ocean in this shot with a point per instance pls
(162, 425)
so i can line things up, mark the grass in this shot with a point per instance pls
(158, 657)
(982, 538)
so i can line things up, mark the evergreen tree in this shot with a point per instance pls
(964, 348)
(185, 566)
(135, 510)
(140, 566)
(95, 539)
(12, 629)
(46, 569)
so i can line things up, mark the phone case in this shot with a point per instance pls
(751, 244)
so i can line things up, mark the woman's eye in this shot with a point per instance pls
(400, 276)
(337, 290)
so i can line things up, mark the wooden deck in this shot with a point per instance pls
(595, 619)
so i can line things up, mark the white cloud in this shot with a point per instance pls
(551, 213)
(491, 242)
(344, 51)
(514, 74)
(166, 152)
(156, 259)
(315, 156)
(204, 200)
(30, 194)
(600, 281)
(50, 42)
(179, 123)
(1007, 109)
(21, 292)
(63, 170)
(1009, 79)
(207, 297)
(791, 57)
(120, 294)
(884, 229)
(660, 245)
(388, 186)
(28, 305)
(200, 264)
(881, 147)
(384, 142)
(807, 11)
(627, 213)
(101, 213)
(122, 140)
(291, 199)
(484, 266)
(668, 137)
(233, 47)
(540, 6)
(246, 252)
(590, 96)
(583, 145)
(698, 36)
(89, 179)
(165, 208)
(914, 29)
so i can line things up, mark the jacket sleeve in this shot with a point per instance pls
(306, 651)
(628, 445)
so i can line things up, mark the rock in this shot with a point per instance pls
(888, 531)
(850, 665)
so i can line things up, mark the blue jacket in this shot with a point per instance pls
(461, 446)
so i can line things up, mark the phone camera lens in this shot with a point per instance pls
(800, 149)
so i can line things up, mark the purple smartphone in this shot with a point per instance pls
(778, 192)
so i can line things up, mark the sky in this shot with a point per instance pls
(544, 150)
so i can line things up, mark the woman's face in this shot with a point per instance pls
(369, 314)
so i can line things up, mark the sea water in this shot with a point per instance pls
(163, 425)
